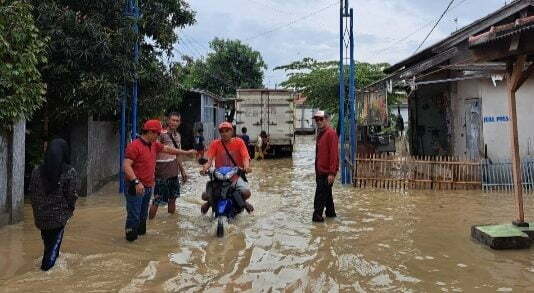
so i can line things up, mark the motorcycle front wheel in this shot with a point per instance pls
(220, 227)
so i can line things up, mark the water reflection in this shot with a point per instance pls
(381, 241)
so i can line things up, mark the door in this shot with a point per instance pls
(250, 112)
(473, 125)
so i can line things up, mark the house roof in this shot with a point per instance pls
(503, 32)
(300, 99)
(464, 33)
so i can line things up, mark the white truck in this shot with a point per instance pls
(267, 110)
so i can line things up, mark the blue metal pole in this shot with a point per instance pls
(122, 146)
(135, 12)
(352, 97)
(341, 94)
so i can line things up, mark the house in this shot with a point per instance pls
(201, 110)
(457, 100)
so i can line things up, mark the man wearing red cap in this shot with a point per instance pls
(139, 167)
(326, 167)
(225, 152)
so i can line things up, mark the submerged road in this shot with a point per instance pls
(381, 241)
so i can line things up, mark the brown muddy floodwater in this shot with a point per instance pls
(381, 241)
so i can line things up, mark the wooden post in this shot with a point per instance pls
(514, 78)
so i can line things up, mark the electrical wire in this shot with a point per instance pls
(397, 42)
(294, 21)
(433, 28)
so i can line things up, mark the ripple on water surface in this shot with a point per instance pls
(381, 241)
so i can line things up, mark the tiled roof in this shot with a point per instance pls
(503, 31)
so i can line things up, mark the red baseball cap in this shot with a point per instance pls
(153, 125)
(226, 125)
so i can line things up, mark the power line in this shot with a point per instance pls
(397, 42)
(281, 26)
(433, 28)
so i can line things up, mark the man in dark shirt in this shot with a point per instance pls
(139, 167)
(244, 136)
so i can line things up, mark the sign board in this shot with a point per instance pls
(373, 107)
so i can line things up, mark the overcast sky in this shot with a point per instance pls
(288, 30)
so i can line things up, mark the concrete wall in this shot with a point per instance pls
(12, 174)
(496, 124)
(95, 153)
(103, 149)
(495, 117)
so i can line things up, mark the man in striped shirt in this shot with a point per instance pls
(168, 168)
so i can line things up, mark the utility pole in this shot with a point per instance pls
(132, 12)
(348, 141)
(341, 118)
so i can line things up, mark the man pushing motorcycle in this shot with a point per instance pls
(229, 151)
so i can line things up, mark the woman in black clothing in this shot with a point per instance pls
(53, 189)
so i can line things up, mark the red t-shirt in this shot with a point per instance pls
(143, 155)
(237, 149)
(327, 152)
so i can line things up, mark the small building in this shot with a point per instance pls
(201, 110)
(457, 103)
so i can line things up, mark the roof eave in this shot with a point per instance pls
(463, 34)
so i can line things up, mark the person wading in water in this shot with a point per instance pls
(139, 168)
(53, 188)
(326, 167)
(167, 168)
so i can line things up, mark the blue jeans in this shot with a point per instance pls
(137, 208)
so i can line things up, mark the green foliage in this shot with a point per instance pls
(319, 81)
(21, 51)
(231, 65)
(90, 54)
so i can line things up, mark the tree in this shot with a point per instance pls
(319, 81)
(90, 54)
(231, 65)
(21, 51)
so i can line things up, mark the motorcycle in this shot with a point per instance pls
(227, 202)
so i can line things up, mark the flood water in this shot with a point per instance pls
(381, 241)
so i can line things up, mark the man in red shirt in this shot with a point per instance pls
(139, 167)
(326, 167)
(235, 154)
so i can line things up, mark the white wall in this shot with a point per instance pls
(496, 131)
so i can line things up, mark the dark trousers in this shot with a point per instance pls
(137, 208)
(323, 197)
(52, 242)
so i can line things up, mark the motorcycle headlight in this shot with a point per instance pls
(220, 176)
(225, 174)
